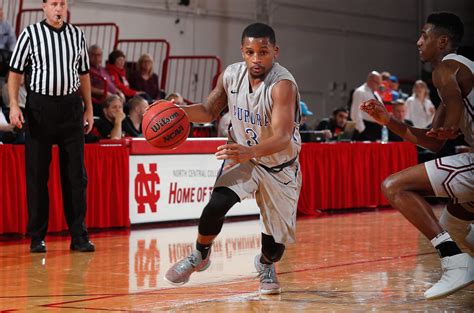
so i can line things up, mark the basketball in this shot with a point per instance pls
(165, 125)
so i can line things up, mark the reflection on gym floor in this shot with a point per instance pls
(359, 262)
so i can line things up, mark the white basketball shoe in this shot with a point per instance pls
(458, 273)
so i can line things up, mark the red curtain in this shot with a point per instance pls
(107, 189)
(349, 175)
(335, 176)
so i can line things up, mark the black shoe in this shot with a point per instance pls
(38, 247)
(82, 245)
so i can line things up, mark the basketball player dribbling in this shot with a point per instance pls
(261, 156)
(449, 177)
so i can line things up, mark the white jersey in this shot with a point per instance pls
(466, 125)
(251, 111)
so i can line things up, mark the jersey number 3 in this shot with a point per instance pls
(252, 137)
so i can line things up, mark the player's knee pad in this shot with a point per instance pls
(212, 217)
(271, 250)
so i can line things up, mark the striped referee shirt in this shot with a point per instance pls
(56, 58)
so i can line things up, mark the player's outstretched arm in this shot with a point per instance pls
(209, 110)
(414, 135)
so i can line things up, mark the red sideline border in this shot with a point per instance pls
(139, 146)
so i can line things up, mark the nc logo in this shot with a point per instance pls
(146, 188)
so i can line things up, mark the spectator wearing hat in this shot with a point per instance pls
(397, 92)
(305, 112)
(394, 86)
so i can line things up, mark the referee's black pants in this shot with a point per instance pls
(55, 120)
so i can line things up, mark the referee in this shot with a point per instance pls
(53, 55)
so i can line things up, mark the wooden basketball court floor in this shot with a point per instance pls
(358, 262)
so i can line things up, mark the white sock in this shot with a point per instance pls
(440, 238)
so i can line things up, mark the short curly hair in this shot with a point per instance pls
(448, 24)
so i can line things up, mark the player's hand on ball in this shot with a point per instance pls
(443, 133)
(377, 110)
(235, 153)
(158, 102)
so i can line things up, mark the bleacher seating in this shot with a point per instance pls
(105, 35)
(10, 11)
(159, 49)
(192, 76)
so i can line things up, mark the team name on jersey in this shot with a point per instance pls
(250, 117)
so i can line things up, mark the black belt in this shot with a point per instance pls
(279, 168)
(274, 169)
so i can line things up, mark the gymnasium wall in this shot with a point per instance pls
(329, 45)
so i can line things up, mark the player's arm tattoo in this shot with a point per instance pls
(217, 99)
(216, 102)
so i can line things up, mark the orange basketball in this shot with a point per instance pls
(165, 125)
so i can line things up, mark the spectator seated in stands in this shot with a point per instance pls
(7, 43)
(336, 123)
(397, 92)
(385, 90)
(109, 126)
(6, 129)
(12, 134)
(420, 108)
(7, 35)
(100, 76)
(400, 113)
(202, 130)
(132, 124)
(116, 68)
(144, 78)
(305, 112)
(21, 94)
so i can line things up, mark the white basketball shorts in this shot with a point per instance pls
(276, 194)
(453, 177)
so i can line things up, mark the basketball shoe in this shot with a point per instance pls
(269, 284)
(179, 273)
(458, 272)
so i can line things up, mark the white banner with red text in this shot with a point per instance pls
(175, 187)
